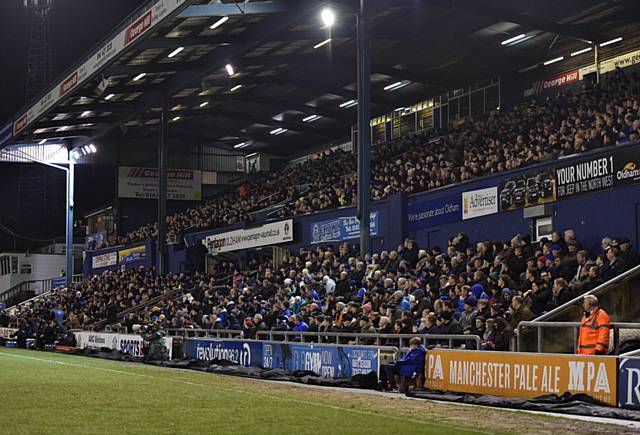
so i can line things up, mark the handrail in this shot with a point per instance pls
(616, 326)
(578, 299)
(321, 336)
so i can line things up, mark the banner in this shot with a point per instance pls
(104, 260)
(245, 353)
(626, 166)
(143, 24)
(131, 344)
(132, 254)
(324, 360)
(585, 176)
(264, 235)
(629, 383)
(622, 61)
(143, 183)
(434, 212)
(480, 202)
(527, 190)
(342, 228)
(555, 82)
(521, 375)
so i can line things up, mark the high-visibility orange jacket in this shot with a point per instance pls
(594, 333)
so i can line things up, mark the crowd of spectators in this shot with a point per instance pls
(483, 289)
(534, 131)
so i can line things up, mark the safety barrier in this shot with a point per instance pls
(575, 326)
(402, 340)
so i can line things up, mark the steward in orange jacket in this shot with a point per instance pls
(594, 329)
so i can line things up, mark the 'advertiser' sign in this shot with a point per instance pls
(521, 375)
(585, 176)
(480, 202)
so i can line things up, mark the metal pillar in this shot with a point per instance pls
(162, 190)
(596, 58)
(364, 129)
(70, 205)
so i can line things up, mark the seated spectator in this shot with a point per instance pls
(410, 365)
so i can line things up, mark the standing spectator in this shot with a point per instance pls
(519, 312)
(614, 265)
(594, 328)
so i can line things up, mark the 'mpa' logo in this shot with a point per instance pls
(596, 377)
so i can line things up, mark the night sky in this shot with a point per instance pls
(27, 208)
(76, 26)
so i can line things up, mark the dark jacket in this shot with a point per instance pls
(412, 362)
(611, 270)
(560, 298)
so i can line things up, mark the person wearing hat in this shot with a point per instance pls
(448, 325)
(629, 254)
(468, 316)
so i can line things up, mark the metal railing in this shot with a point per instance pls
(539, 327)
(25, 290)
(578, 299)
(401, 340)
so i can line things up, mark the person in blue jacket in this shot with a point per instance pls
(411, 363)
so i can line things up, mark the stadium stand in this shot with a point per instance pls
(483, 289)
(532, 132)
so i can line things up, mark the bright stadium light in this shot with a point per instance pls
(514, 39)
(584, 50)
(348, 104)
(42, 142)
(241, 145)
(205, 104)
(611, 41)
(177, 118)
(139, 76)
(550, 61)
(92, 147)
(219, 23)
(229, 69)
(320, 44)
(311, 118)
(110, 96)
(278, 131)
(396, 85)
(328, 17)
(235, 88)
(175, 52)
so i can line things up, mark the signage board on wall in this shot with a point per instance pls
(264, 235)
(521, 375)
(340, 229)
(434, 212)
(143, 183)
(104, 260)
(626, 166)
(480, 202)
(130, 255)
(585, 176)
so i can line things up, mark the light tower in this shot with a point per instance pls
(39, 55)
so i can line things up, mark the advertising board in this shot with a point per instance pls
(521, 375)
(341, 228)
(143, 183)
(264, 235)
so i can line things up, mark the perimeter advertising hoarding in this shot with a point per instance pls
(527, 190)
(264, 235)
(131, 344)
(434, 212)
(323, 360)
(521, 375)
(143, 183)
(341, 228)
(629, 383)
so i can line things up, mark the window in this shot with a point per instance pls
(543, 227)
(25, 268)
(14, 264)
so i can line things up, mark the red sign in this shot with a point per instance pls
(20, 124)
(138, 28)
(69, 83)
(558, 81)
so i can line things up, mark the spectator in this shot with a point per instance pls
(614, 265)
(594, 328)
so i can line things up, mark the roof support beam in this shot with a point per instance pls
(226, 9)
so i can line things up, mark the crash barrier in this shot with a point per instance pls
(326, 360)
(574, 326)
(130, 344)
(399, 340)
